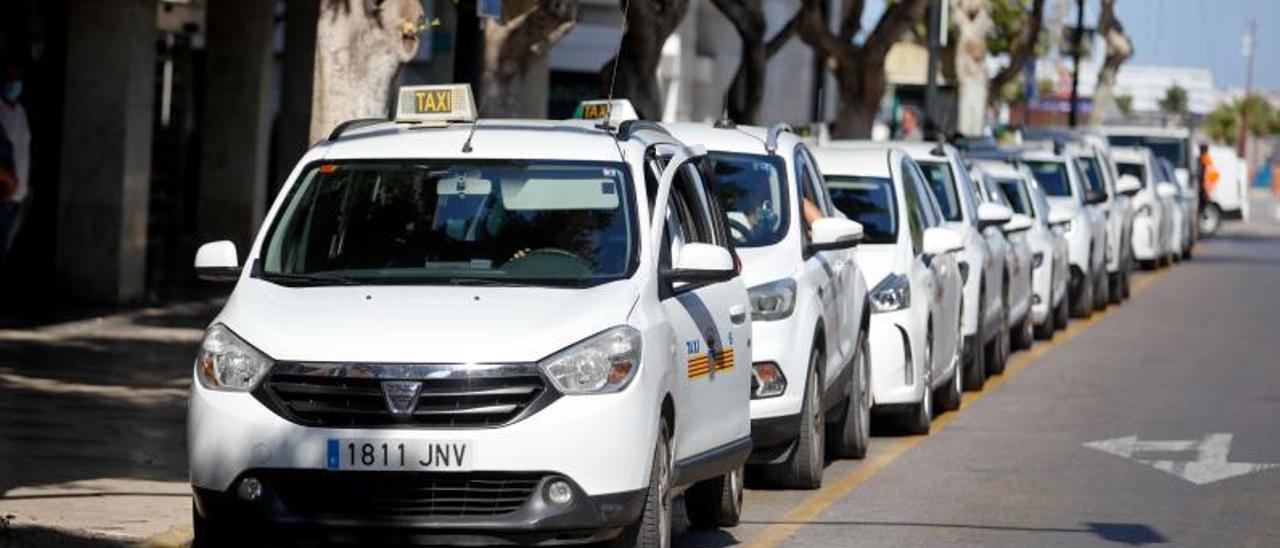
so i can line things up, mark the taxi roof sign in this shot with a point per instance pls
(435, 104)
(611, 111)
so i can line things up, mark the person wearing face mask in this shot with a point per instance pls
(15, 157)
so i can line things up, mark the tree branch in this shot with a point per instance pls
(779, 40)
(1022, 50)
(897, 17)
(851, 23)
(812, 28)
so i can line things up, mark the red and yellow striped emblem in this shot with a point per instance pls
(700, 364)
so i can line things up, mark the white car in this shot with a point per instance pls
(984, 267)
(1050, 270)
(808, 299)
(1017, 297)
(1183, 217)
(458, 330)
(1095, 163)
(1086, 234)
(1153, 205)
(1171, 143)
(1229, 196)
(909, 261)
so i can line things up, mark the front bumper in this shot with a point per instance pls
(1146, 239)
(773, 437)
(894, 378)
(400, 507)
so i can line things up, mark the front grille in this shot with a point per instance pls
(305, 396)
(390, 495)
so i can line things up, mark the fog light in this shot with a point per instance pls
(250, 489)
(767, 380)
(559, 492)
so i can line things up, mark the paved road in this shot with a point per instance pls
(1153, 422)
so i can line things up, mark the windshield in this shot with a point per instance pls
(1016, 194)
(1137, 170)
(1169, 148)
(540, 223)
(754, 196)
(943, 184)
(870, 201)
(1092, 171)
(1052, 176)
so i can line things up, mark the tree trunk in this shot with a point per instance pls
(360, 45)
(1119, 49)
(1022, 51)
(511, 49)
(861, 82)
(746, 91)
(648, 24)
(973, 24)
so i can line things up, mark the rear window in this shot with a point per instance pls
(870, 201)
(943, 184)
(1137, 170)
(1052, 176)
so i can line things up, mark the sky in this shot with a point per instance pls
(1202, 33)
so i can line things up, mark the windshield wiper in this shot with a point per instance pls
(486, 282)
(308, 280)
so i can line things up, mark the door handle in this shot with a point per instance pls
(737, 314)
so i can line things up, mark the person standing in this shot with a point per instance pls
(15, 158)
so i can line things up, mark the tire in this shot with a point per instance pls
(1082, 304)
(999, 347)
(1210, 219)
(1102, 295)
(1062, 315)
(653, 529)
(1023, 337)
(1045, 330)
(853, 430)
(975, 371)
(920, 415)
(949, 398)
(715, 502)
(803, 468)
(1125, 279)
(1113, 283)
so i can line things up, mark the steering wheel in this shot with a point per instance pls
(738, 227)
(553, 259)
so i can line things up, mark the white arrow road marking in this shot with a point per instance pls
(1210, 465)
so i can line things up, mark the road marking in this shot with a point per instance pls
(823, 498)
(1210, 465)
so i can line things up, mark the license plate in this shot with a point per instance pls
(384, 454)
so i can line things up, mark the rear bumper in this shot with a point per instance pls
(312, 513)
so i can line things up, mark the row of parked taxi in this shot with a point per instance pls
(452, 329)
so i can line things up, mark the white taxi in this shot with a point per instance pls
(1153, 205)
(454, 330)
(1067, 191)
(808, 299)
(909, 260)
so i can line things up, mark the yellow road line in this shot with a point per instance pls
(832, 491)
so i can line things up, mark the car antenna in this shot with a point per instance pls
(725, 122)
(613, 78)
(475, 124)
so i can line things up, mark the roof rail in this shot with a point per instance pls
(353, 124)
(771, 142)
(628, 128)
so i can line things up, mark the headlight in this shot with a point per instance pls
(601, 364)
(226, 362)
(1144, 210)
(772, 301)
(892, 293)
(1037, 259)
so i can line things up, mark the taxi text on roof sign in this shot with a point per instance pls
(448, 103)
(615, 111)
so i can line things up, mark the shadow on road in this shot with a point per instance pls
(1135, 534)
(32, 537)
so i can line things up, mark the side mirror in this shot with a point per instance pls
(1128, 185)
(1019, 223)
(992, 214)
(1095, 197)
(217, 262)
(1166, 190)
(699, 262)
(1060, 217)
(832, 233)
(938, 241)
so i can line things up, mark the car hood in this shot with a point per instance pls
(421, 324)
(876, 262)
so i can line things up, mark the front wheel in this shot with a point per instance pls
(853, 430)
(998, 350)
(1022, 334)
(1210, 220)
(803, 469)
(1102, 294)
(1082, 305)
(975, 372)
(920, 416)
(653, 530)
(715, 502)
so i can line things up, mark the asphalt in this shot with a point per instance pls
(92, 448)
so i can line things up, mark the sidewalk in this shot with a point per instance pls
(92, 427)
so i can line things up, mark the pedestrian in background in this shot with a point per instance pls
(15, 158)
